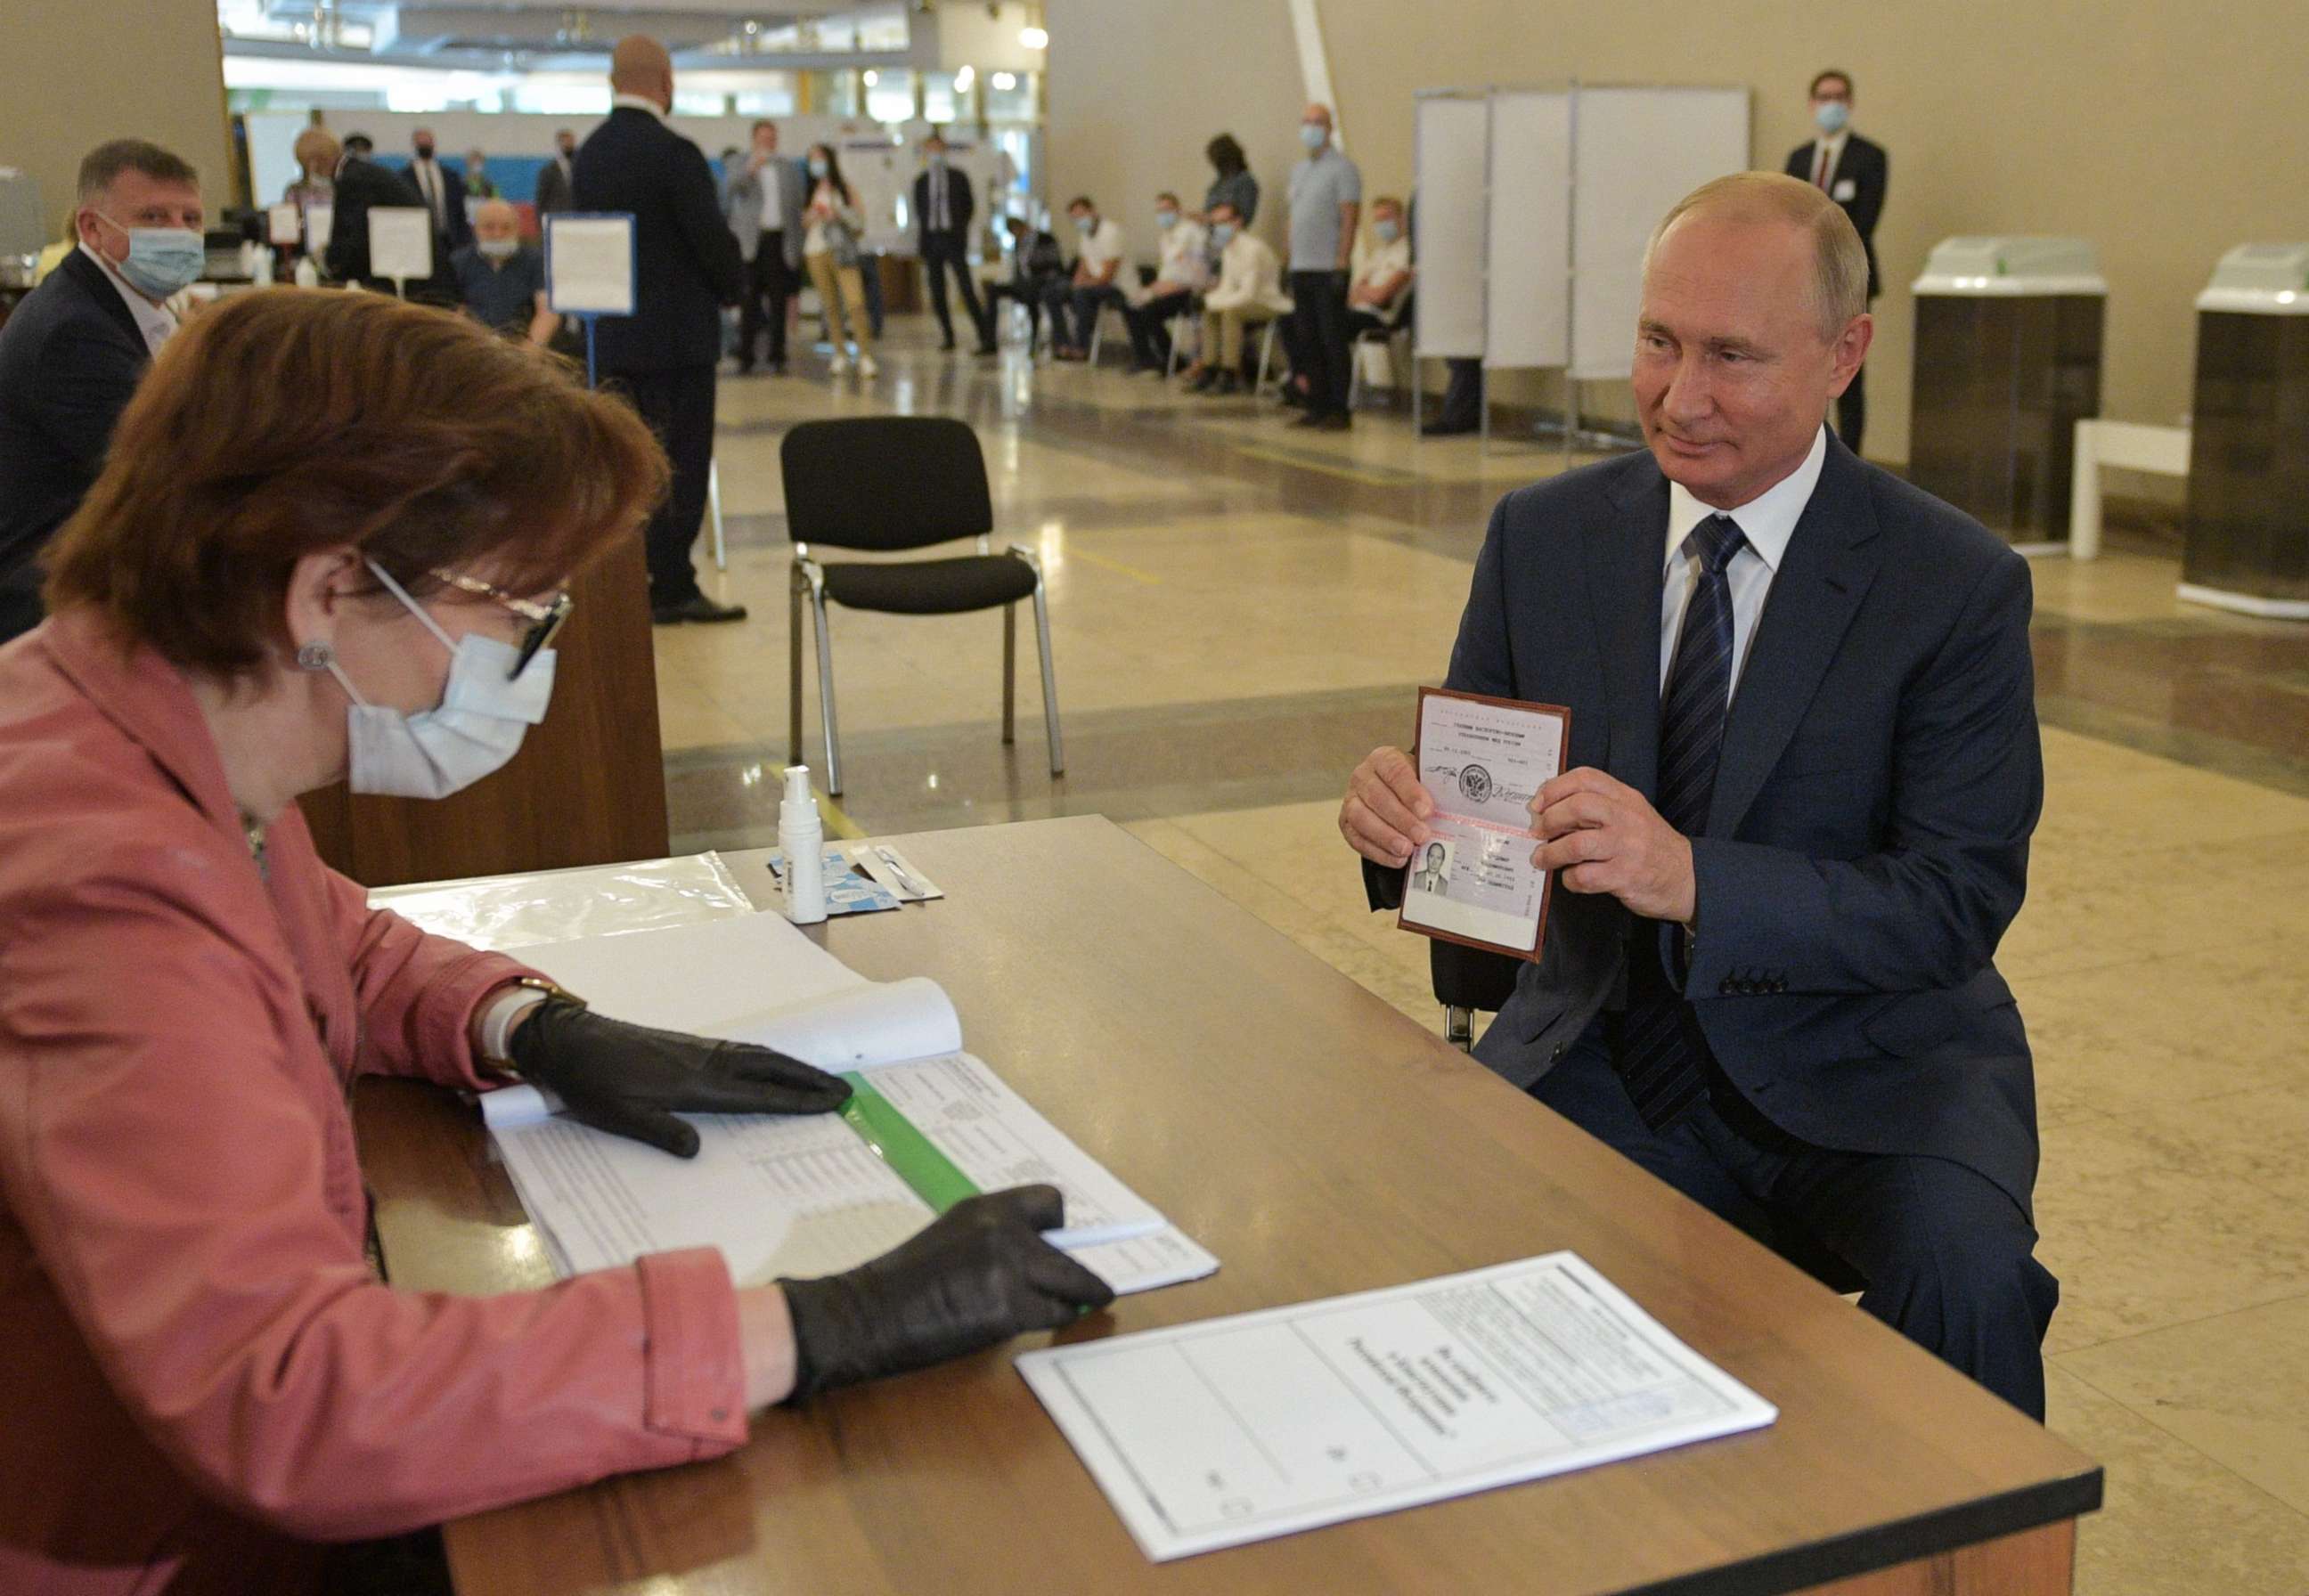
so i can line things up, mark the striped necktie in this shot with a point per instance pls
(1661, 1056)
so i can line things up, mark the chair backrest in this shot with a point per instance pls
(885, 482)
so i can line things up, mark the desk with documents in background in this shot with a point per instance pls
(1318, 1143)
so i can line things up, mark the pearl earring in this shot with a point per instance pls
(315, 656)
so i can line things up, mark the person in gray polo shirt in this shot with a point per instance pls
(1327, 195)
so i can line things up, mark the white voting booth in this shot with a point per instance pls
(1535, 206)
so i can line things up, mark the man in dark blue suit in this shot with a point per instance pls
(1804, 735)
(687, 267)
(73, 353)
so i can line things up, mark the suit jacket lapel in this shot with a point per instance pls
(1627, 559)
(1815, 595)
(100, 288)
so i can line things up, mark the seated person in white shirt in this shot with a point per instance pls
(1097, 280)
(1184, 272)
(1379, 282)
(1249, 294)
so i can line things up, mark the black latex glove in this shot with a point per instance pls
(981, 1274)
(630, 1081)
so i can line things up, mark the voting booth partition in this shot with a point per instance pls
(1535, 207)
(2247, 545)
(2008, 361)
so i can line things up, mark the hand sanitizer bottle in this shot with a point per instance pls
(801, 837)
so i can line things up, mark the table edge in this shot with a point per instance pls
(1879, 1547)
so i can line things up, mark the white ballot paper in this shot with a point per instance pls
(1240, 1429)
(320, 221)
(1482, 760)
(400, 243)
(284, 223)
(589, 265)
(812, 1194)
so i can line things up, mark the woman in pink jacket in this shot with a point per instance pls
(329, 544)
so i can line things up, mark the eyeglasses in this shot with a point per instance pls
(544, 619)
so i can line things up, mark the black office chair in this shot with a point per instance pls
(889, 484)
(1468, 978)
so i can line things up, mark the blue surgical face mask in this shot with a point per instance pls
(161, 260)
(1388, 228)
(1830, 115)
(1084, 224)
(1314, 134)
(937, 158)
(474, 730)
(817, 166)
(1166, 220)
(1222, 233)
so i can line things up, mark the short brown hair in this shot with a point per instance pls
(280, 424)
(109, 159)
(1839, 288)
(1841, 77)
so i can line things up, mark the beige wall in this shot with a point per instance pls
(2162, 132)
(80, 71)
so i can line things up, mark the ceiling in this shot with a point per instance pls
(465, 32)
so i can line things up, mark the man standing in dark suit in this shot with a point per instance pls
(362, 186)
(943, 207)
(72, 354)
(1853, 172)
(553, 178)
(686, 267)
(443, 192)
(1806, 771)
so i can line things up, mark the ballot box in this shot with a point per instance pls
(2248, 526)
(2007, 362)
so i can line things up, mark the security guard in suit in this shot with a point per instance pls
(1852, 171)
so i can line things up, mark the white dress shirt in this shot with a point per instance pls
(426, 176)
(774, 203)
(1765, 523)
(1102, 244)
(1186, 255)
(1831, 148)
(154, 321)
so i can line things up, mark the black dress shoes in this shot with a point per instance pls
(1447, 429)
(697, 608)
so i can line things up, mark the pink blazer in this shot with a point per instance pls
(201, 1374)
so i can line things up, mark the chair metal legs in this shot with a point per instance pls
(714, 513)
(1265, 355)
(807, 579)
(1009, 674)
(1459, 1028)
(1049, 673)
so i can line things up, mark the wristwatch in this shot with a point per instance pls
(496, 1020)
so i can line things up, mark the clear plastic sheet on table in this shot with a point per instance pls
(511, 911)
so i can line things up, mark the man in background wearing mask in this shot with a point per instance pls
(765, 202)
(71, 355)
(1037, 266)
(1184, 271)
(1326, 194)
(1852, 171)
(553, 178)
(943, 207)
(444, 194)
(1249, 294)
(1094, 282)
(501, 280)
(1382, 273)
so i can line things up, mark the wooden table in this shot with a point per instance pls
(1318, 1143)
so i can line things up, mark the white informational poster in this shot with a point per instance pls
(282, 224)
(1232, 1431)
(1637, 152)
(1449, 224)
(589, 263)
(1528, 251)
(400, 243)
(320, 220)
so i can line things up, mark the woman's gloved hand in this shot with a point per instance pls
(630, 1081)
(981, 1274)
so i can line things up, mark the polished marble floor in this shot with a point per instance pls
(1242, 610)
